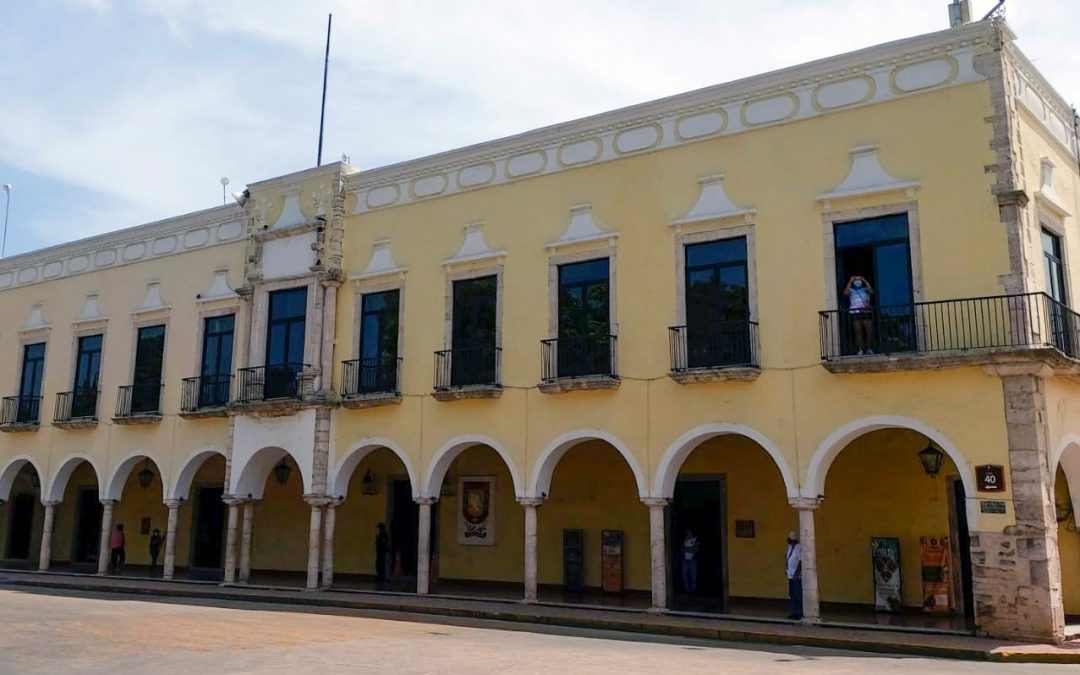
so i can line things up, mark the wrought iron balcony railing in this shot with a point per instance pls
(270, 382)
(580, 356)
(139, 400)
(723, 344)
(947, 326)
(20, 411)
(76, 405)
(379, 375)
(205, 392)
(475, 366)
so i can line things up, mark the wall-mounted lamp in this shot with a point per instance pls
(930, 458)
(282, 471)
(367, 484)
(146, 476)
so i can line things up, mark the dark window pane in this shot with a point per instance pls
(286, 326)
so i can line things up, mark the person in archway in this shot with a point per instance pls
(117, 542)
(793, 569)
(690, 562)
(860, 308)
(381, 541)
(155, 547)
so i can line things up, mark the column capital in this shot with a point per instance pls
(426, 501)
(317, 500)
(110, 502)
(531, 501)
(174, 503)
(655, 501)
(805, 503)
(51, 502)
(236, 500)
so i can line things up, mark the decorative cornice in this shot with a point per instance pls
(1040, 99)
(582, 229)
(712, 204)
(152, 301)
(866, 177)
(219, 288)
(381, 262)
(843, 82)
(474, 248)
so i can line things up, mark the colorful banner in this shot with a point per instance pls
(885, 553)
(476, 519)
(935, 574)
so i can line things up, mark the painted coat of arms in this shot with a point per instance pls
(476, 518)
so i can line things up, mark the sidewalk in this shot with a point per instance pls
(672, 624)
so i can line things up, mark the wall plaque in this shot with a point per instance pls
(990, 477)
(992, 507)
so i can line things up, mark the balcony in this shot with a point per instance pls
(76, 409)
(577, 363)
(206, 396)
(990, 331)
(721, 351)
(274, 388)
(370, 382)
(138, 403)
(467, 373)
(20, 413)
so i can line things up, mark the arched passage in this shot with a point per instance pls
(280, 516)
(76, 489)
(20, 513)
(449, 451)
(378, 485)
(200, 536)
(728, 515)
(884, 521)
(136, 485)
(1065, 467)
(549, 458)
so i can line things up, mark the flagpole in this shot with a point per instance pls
(326, 67)
(7, 209)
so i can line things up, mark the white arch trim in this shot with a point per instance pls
(839, 439)
(344, 470)
(667, 472)
(253, 475)
(11, 471)
(545, 465)
(1067, 456)
(114, 487)
(59, 480)
(445, 455)
(181, 487)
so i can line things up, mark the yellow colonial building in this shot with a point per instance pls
(615, 360)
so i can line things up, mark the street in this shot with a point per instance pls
(46, 632)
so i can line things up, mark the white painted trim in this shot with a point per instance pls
(474, 248)
(544, 467)
(11, 471)
(381, 263)
(713, 204)
(867, 177)
(667, 471)
(1067, 457)
(57, 483)
(251, 480)
(342, 473)
(442, 459)
(181, 485)
(114, 486)
(582, 228)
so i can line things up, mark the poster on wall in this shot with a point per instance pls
(934, 554)
(885, 553)
(476, 518)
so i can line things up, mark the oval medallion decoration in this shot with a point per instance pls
(635, 140)
(524, 165)
(52, 269)
(832, 95)
(923, 75)
(133, 251)
(196, 238)
(384, 195)
(478, 174)
(768, 110)
(703, 124)
(580, 152)
(230, 230)
(27, 274)
(163, 245)
(5, 279)
(78, 264)
(104, 258)
(429, 185)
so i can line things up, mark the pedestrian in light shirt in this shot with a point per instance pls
(793, 568)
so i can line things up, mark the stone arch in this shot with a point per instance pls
(832, 446)
(1066, 456)
(114, 486)
(545, 465)
(59, 480)
(182, 485)
(11, 471)
(251, 478)
(444, 457)
(343, 472)
(667, 472)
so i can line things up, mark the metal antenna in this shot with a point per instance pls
(7, 209)
(326, 67)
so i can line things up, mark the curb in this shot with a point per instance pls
(628, 625)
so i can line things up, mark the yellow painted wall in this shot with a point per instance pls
(1068, 547)
(137, 503)
(210, 474)
(357, 516)
(877, 488)
(279, 539)
(23, 486)
(64, 517)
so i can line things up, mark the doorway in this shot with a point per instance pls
(404, 516)
(208, 530)
(87, 526)
(960, 546)
(22, 520)
(700, 506)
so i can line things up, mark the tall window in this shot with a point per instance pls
(584, 346)
(87, 374)
(717, 304)
(1061, 319)
(377, 370)
(149, 355)
(473, 337)
(285, 341)
(33, 367)
(216, 369)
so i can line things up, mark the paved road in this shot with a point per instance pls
(45, 632)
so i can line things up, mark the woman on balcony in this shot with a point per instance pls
(859, 294)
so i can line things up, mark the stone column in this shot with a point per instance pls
(317, 503)
(45, 553)
(169, 566)
(328, 543)
(423, 547)
(245, 541)
(531, 528)
(328, 328)
(658, 552)
(808, 542)
(106, 530)
(230, 540)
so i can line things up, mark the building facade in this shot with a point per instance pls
(833, 299)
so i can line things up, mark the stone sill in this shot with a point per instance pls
(149, 418)
(586, 383)
(356, 401)
(17, 427)
(471, 391)
(1048, 357)
(275, 407)
(204, 413)
(82, 423)
(725, 374)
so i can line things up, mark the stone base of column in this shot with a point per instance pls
(1015, 595)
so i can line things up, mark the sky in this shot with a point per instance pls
(120, 112)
